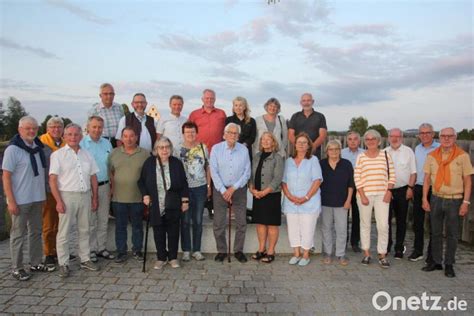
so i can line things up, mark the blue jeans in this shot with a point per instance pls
(197, 199)
(444, 212)
(124, 211)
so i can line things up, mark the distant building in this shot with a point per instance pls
(153, 112)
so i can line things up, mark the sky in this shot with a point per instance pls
(396, 63)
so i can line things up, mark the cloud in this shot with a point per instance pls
(377, 30)
(17, 85)
(228, 72)
(79, 12)
(6, 43)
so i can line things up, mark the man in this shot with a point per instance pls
(24, 166)
(73, 182)
(110, 111)
(125, 165)
(230, 171)
(448, 169)
(426, 135)
(405, 175)
(309, 121)
(143, 125)
(100, 148)
(351, 152)
(53, 138)
(209, 120)
(170, 125)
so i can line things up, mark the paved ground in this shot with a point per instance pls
(209, 287)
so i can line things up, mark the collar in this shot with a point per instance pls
(232, 149)
(312, 112)
(69, 148)
(137, 149)
(204, 111)
(89, 139)
(140, 118)
(104, 107)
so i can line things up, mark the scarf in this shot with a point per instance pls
(49, 141)
(17, 141)
(443, 176)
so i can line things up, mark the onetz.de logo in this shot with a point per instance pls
(383, 301)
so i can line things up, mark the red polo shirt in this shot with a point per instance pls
(210, 125)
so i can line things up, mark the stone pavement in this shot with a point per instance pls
(214, 288)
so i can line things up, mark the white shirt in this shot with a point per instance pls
(170, 126)
(145, 138)
(404, 163)
(73, 170)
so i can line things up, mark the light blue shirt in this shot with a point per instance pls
(348, 154)
(299, 180)
(420, 156)
(100, 150)
(25, 186)
(229, 166)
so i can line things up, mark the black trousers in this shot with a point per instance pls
(399, 210)
(355, 225)
(419, 222)
(169, 227)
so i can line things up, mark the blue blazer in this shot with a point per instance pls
(178, 188)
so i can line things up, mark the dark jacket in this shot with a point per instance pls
(132, 121)
(177, 190)
(248, 131)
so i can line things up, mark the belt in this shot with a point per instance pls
(400, 188)
(103, 182)
(449, 196)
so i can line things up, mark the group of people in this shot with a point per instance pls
(166, 170)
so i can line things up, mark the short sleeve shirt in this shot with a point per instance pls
(310, 125)
(26, 187)
(211, 125)
(336, 183)
(170, 126)
(194, 161)
(100, 150)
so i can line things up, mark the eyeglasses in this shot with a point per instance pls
(302, 143)
(425, 133)
(447, 136)
(334, 149)
(164, 147)
(232, 133)
(139, 102)
(370, 139)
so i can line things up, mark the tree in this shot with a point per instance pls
(15, 111)
(42, 128)
(466, 134)
(359, 125)
(379, 128)
(2, 117)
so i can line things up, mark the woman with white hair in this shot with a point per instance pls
(274, 123)
(374, 177)
(164, 188)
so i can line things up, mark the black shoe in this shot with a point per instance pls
(50, 263)
(121, 258)
(356, 248)
(240, 256)
(21, 275)
(415, 256)
(220, 257)
(211, 214)
(138, 255)
(449, 271)
(432, 267)
(93, 257)
(72, 257)
(398, 255)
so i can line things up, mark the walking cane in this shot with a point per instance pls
(147, 211)
(229, 205)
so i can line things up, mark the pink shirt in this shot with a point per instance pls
(210, 125)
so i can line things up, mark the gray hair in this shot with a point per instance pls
(27, 119)
(209, 90)
(349, 133)
(451, 128)
(163, 139)
(426, 125)
(230, 125)
(333, 142)
(373, 133)
(55, 120)
(95, 117)
(106, 85)
(395, 129)
(73, 125)
(274, 101)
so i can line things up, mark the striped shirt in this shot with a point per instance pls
(371, 173)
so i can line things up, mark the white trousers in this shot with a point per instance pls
(99, 220)
(78, 209)
(381, 218)
(301, 229)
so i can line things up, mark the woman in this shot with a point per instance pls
(267, 173)
(273, 123)
(248, 127)
(195, 157)
(374, 177)
(336, 197)
(302, 202)
(165, 189)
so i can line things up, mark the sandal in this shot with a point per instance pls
(268, 258)
(259, 255)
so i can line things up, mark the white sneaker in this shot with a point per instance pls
(198, 256)
(174, 264)
(159, 265)
(186, 256)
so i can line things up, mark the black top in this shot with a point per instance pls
(258, 172)
(310, 125)
(248, 131)
(336, 182)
